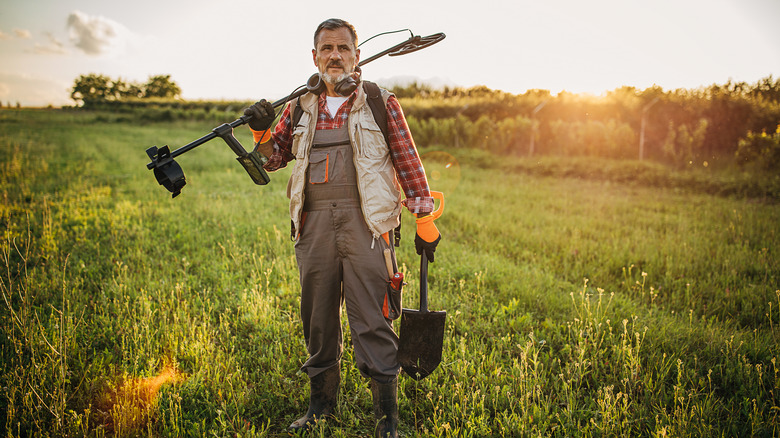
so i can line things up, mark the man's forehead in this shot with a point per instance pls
(335, 37)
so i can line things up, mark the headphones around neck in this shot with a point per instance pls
(344, 87)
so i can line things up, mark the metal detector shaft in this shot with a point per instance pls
(234, 124)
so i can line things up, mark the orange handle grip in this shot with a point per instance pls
(440, 196)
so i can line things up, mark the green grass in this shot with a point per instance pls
(579, 303)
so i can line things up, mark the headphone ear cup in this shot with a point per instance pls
(315, 84)
(346, 86)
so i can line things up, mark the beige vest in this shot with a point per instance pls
(380, 193)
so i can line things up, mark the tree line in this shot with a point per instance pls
(680, 127)
(92, 90)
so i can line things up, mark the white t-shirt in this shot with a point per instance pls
(334, 103)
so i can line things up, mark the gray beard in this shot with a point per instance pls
(333, 80)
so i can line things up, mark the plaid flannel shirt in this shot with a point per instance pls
(403, 152)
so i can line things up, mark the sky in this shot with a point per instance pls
(247, 50)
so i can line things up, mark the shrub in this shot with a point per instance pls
(610, 139)
(683, 144)
(762, 149)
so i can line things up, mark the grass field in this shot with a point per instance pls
(576, 306)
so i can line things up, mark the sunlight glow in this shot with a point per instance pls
(127, 405)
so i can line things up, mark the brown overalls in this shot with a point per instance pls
(340, 261)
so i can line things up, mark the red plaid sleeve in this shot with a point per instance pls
(282, 137)
(408, 166)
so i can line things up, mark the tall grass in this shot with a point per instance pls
(576, 306)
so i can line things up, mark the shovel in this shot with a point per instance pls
(422, 333)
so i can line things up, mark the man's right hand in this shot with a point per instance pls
(427, 237)
(262, 115)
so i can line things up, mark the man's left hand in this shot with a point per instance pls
(262, 115)
(427, 237)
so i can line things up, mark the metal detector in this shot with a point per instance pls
(169, 173)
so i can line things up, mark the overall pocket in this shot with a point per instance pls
(319, 164)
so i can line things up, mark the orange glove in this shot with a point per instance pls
(427, 237)
(261, 136)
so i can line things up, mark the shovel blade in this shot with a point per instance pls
(421, 342)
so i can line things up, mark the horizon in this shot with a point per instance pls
(436, 85)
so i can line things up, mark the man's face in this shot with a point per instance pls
(335, 55)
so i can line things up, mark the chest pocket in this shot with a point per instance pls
(332, 165)
(320, 166)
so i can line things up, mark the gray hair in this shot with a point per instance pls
(333, 24)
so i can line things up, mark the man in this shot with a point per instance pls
(344, 201)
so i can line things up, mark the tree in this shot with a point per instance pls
(767, 88)
(161, 86)
(91, 89)
(121, 90)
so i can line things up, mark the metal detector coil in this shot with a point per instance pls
(167, 171)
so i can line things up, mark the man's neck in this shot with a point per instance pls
(330, 90)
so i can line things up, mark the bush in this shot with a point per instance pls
(506, 136)
(610, 139)
(762, 150)
(684, 144)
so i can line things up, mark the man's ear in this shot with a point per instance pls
(314, 56)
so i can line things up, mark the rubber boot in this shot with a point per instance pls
(385, 408)
(322, 399)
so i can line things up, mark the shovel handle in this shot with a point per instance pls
(424, 283)
(424, 259)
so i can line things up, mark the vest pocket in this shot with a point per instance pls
(372, 141)
(319, 163)
(298, 148)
